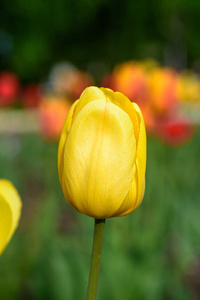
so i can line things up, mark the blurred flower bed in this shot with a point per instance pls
(170, 100)
(162, 93)
(153, 254)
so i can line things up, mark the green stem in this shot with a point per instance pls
(96, 257)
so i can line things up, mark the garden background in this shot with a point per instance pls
(153, 253)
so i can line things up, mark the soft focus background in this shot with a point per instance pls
(49, 53)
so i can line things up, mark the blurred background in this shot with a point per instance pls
(49, 53)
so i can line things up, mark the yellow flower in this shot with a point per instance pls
(10, 211)
(102, 154)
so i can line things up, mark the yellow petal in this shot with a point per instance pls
(136, 193)
(129, 203)
(141, 155)
(125, 104)
(63, 137)
(89, 94)
(99, 159)
(10, 211)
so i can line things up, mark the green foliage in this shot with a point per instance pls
(148, 254)
(45, 32)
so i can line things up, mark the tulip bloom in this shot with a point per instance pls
(10, 211)
(102, 154)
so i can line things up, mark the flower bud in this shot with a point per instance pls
(102, 154)
(10, 211)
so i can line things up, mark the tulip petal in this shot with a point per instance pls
(89, 94)
(141, 155)
(10, 211)
(130, 201)
(125, 104)
(99, 159)
(136, 193)
(63, 137)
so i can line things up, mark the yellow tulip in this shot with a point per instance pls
(102, 154)
(10, 211)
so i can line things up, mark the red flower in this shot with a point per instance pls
(176, 131)
(32, 95)
(9, 88)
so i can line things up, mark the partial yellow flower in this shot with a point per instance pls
(102, 154)
(10, 212)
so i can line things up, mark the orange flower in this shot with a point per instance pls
(129, 78)
(162, 90)
(52, 114)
